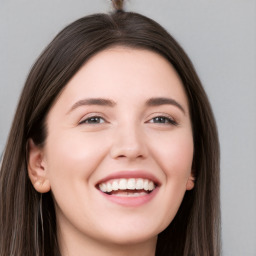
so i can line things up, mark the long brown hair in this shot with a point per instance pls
(27, 218)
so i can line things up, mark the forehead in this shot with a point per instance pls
(123, 73)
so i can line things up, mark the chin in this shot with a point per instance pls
(128, 234)
(131, 238)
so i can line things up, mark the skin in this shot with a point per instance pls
(128, 136)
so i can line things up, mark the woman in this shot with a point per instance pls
(113, 149)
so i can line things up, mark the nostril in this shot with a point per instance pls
(128, 142)
(131, 153)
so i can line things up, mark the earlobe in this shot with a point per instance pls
(190, 182)
(37, 168)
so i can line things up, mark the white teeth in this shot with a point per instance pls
(131, 184)
(127, 184)
(115, 185)
(145, 184)
(151, 186)
(139, 184)
(103, 187)
(109, 187)
(130, 194)
(123, 184)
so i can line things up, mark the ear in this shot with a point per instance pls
(190, 182)
(37, 168)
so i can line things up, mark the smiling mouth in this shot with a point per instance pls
(132, 187)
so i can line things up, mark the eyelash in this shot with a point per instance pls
(167, 120)
(161, 120)
(97, 118)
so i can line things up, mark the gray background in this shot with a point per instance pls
(220, 38)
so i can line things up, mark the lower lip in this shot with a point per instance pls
(131, 201)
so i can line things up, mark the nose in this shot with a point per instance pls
(129, 143)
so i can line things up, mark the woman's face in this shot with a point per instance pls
(119, 150)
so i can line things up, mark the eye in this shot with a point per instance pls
(163, 120)
(93, 120)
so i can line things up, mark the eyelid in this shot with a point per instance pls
(171, 119)
(91, 115)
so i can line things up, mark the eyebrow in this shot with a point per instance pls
(152, 102)
(93, 101)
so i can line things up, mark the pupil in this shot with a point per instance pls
(94, 120)
(160, 119)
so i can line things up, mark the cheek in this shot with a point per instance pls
(70, 156)
(71, 160)
(175, 159)
(175, 155)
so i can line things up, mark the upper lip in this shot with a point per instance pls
(130, 174)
